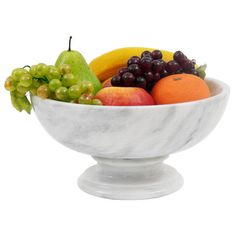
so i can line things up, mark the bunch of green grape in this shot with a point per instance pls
(47, 81)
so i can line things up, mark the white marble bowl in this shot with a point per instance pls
(130, 143)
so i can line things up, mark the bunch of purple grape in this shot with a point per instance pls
(144, 72)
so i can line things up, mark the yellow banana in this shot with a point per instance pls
(108, 64)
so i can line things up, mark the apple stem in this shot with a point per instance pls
(70, 43)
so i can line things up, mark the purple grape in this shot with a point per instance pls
(188, 66)
(128, 79)
(156, 54)
(141, 82)
(158, 65)
(164, 73)
(179, 57)
(149, 76)
(150, 86)
(146, 63)
(194, 72)
(116, 80)
(135, 69)
(183, 62)
(172, 66)
(146, 54)
(122, 71)
(156, 77)
(180, 71)
(133, 60)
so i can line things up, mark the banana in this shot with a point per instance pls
(108, 64)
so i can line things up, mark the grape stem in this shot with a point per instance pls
(26, 66)
(69, 49)
(42, 79)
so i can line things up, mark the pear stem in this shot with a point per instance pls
(69, 49)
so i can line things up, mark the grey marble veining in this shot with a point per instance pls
(132, 132)
(135, 132)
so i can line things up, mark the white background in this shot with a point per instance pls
(38, 191)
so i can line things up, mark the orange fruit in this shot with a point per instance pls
(180, 88)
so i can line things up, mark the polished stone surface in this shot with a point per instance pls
(137, 132)
(130, 178)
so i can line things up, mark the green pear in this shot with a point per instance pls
(79, 67)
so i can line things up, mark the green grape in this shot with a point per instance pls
(20, 103)
(54, 84)
(33, 70)
(74, 101)
(9, 84)
(43, 91)
(90, 88)
(18, 94)
(86, 99)
(96, 101)
(21, 89)
(68, 80)
(26, 80)
(48, 82)
(64, 69)
(86, 87)
(36, 83)
(33, 90)
(42, 69)
(24, 104)
(53, 73)
(52, 68)
(34, 86)
(53, 96)
(17, 73)
(39, 71)
(74, 91)
(62, 94)
(15, 103)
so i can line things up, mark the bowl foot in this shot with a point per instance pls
(130, 179)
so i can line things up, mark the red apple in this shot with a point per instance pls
(124, 96)
(107, 83)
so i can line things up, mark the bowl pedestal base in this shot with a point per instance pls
(130, 179)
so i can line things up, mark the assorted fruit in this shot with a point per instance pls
(123, 77)
(62, 82)
(79, 67)
(146, 70)
(108, 64)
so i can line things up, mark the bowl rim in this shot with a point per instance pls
(225, 91)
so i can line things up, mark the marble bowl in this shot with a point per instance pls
(130, 143)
